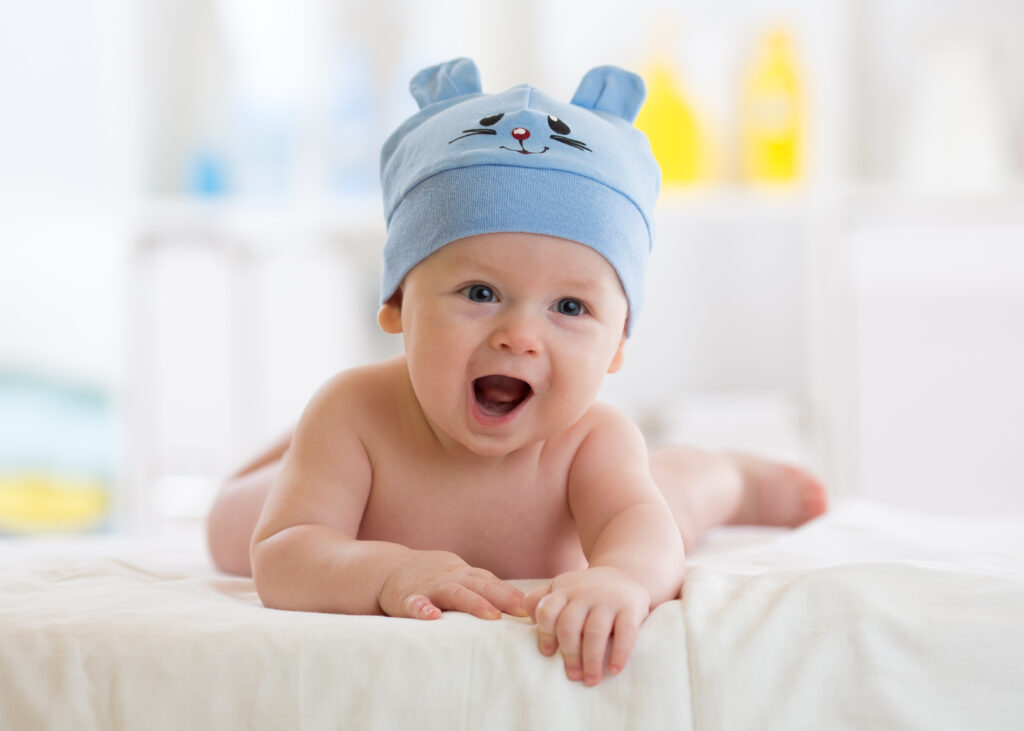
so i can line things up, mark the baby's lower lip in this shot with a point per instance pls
(486, 419)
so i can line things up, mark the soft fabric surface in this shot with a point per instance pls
(868, 618)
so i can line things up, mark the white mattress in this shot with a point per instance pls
(868, 618)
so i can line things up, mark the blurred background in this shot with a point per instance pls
(190, 226)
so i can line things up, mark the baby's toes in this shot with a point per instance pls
(776, 493)
(814, 501)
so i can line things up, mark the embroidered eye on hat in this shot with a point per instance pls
(471, 163)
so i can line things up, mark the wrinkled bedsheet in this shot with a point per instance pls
(867, 618)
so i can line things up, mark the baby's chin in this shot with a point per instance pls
(511, 441)
(498, 444)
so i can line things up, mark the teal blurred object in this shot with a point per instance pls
(57, 455)
(208, 177)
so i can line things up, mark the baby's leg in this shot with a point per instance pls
(237, 507)
(706, 489)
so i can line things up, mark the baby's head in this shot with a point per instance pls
(470, 163)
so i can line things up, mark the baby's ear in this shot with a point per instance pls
(447, 80)
(389, 316)
(620, 356)
(612, 90)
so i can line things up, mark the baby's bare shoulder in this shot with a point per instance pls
(604, 419)
(606, 436)
(358, 396)
(327, 473)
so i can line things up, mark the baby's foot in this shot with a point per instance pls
(775, 493)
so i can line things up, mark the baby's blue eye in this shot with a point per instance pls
(478, 293)
(571, 307)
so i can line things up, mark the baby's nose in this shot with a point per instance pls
(517, 335)
(521, 133)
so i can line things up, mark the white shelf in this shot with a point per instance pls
(257, 224)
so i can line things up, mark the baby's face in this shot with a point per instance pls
(508, 336)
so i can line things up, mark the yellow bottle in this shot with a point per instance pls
(40, 503)
(772, 121)
(671, 125)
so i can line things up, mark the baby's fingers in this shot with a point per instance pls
(546, 613)
(452, 595)
(534, 597)
(596, 631)
(627, 625)
(569, 631)
(502, 595)
(418, 606)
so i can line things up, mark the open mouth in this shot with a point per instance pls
(500, 395)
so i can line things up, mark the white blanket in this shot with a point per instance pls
(868, 618)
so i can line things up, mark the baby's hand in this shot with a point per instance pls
(578, 612)
(431, 581)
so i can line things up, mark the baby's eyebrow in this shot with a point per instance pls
(578, 284)
(463, 262)
(485, 269)
(586, 287)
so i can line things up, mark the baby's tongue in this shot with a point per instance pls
(500, 394)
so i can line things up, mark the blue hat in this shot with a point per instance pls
(470, 163)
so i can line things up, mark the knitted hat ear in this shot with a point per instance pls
(445, 81)
(612, 90)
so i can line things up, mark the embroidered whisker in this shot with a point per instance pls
(471, 132)
(571, 142)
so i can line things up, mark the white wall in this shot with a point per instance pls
(105, 109)
(69, 176)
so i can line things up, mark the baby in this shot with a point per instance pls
(518, 233)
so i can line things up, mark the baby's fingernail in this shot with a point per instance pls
(590, 680)
(423, 609)
(614, 669)
(520, 612)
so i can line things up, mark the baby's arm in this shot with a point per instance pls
(634, 548)
(305, 554)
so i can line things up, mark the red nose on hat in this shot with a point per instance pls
(521, 134)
